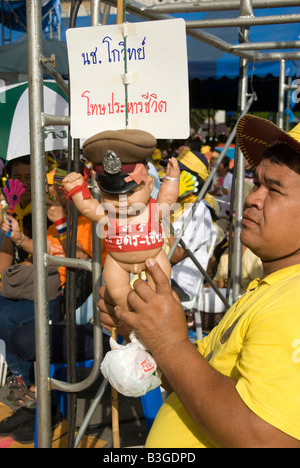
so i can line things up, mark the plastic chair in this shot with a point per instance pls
(194, 303)
(151, 402)
(3, 364)
(60, 398)
(212, 307)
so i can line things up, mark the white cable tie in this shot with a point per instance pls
(128, 29)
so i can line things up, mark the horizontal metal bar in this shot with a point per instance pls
(267, 45)
(218, 43)
(218, 5)
(78, 386)
(48, 119)
(85, 264)
(277, 56)
(291, 87)
(243, 21)
(206, 37)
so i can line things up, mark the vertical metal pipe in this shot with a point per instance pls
(39, 221)
(288, 104)
(95, 12)
(105, 15)
(240, 176)
(97, 248)
(281, 95)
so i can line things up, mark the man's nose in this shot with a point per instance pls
(256, 198)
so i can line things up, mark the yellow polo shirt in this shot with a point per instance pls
(258, 344)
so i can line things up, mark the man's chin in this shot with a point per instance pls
(247, 241)
(243, 238)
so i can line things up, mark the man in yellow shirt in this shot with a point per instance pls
(240, 387)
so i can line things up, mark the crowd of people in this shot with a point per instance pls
(193, 423)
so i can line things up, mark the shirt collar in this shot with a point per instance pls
(275, 277)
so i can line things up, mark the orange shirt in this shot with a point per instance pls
(84, 238)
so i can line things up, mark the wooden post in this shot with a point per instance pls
(119, 11)
(114, 333)
(115, 407)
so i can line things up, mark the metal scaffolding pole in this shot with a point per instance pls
(38, 120)
(245, 50)
(239, 182)
(39, 223)
(217, 5)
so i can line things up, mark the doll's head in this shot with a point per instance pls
(133, 201)
(119, 159)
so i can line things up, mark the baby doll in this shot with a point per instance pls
(130, 219)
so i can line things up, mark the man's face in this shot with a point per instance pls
(271, 221)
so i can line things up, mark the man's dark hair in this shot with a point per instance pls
(226, 161)
(284, 154)
(13, 162)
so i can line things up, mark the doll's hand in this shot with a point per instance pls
(55, 210)
(72, 180)
(173, 168)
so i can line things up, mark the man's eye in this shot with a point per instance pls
(273, 190)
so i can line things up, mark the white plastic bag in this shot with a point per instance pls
(130, 369)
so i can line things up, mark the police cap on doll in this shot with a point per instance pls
(119, 158)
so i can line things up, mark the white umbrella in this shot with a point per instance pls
(14, 119)
(3, 364)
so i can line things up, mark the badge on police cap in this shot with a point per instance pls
(112, 163)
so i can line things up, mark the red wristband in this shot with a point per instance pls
(80, 188)
(60, 221)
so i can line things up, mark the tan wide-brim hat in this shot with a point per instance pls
(256, 135)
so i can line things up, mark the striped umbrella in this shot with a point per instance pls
(14, 119)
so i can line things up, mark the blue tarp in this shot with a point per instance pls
(14, 16)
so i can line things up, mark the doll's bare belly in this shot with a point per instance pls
(134, 262)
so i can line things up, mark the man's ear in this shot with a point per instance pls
(150, 181)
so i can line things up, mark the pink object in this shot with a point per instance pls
(6, 442)
(12, 192)
(138, 175)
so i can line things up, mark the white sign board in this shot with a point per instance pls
(149, 73)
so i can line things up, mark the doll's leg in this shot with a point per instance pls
(117, 281)
(164, 263)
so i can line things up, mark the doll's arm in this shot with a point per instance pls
(89, 207)
(169, 191)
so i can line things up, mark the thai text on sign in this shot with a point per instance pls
(141, 83)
